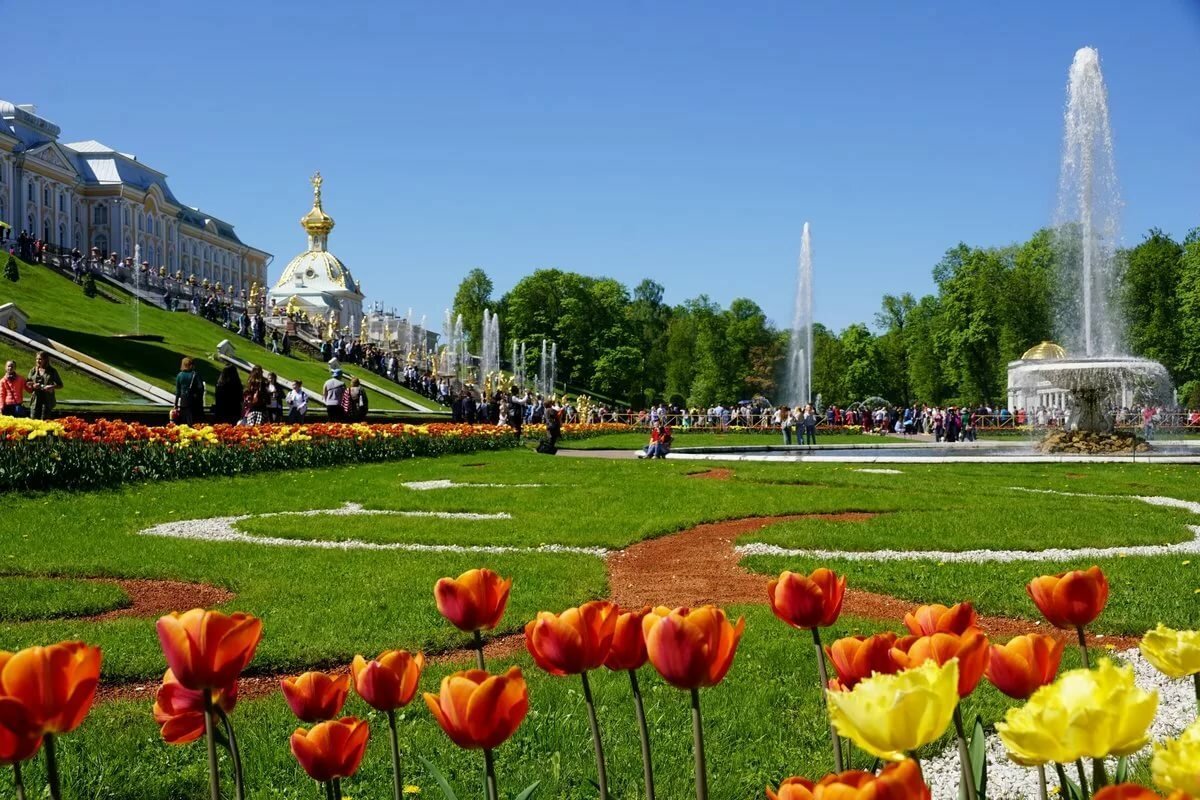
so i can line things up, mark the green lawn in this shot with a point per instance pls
(58, 309)
(639, 439)
(321, 606)
(77, 384)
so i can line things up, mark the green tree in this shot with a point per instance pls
(926, 358)
(681, 355)
(971, 282)
(10, 269)
(1189, 316)
(1150, 298)
(473, 296)
(89, 285)
(894, 346)
(862, 364)
(829, 368)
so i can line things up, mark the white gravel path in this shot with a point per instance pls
(880, 471)
(425, 486)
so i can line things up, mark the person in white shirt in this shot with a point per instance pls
(297, 403)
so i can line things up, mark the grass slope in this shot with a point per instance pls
(77, 384)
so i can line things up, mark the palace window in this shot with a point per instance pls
(62, 202)
(100, 215)
(46, 195)
(29, 195)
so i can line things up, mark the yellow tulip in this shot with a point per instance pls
(1093, 713)
(1176, 763)
(1175, 654)
(889, 716)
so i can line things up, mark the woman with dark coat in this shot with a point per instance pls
(228, 405)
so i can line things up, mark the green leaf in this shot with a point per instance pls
(1122, 770)
(978, 751)
(1070, 789)
(529, 790)
(440, 778)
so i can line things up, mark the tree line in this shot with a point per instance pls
(948, 347)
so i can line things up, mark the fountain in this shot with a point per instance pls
(489, 348)
(1093, 374)
(547, 369)
(798, 378)
(518, 364)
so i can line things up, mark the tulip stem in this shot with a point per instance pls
(601, 772)
(489, 775)
(52, 768)
(17, 781)
(210, 738)
(337, 788)
(1083, 784)
(329, 795)
(1087, 662)
(964, 755)
(698, 746)
(823, 671)
(397, 784)
(235, 754)
(1196, 680)
(479, 650)
(1043, 792)
(643, 734)
(1099, 776)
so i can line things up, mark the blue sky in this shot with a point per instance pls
(686, 142)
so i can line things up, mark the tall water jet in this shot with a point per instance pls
(489, 349)
(542, 375)
(797, 390)
(1087, 219)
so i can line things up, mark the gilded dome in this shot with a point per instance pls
(1046, 351)
(316, 221)
(316, 268)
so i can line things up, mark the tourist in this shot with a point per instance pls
(332, 395)
(810, 425)
(227, 402)
(189, 392)
(358, 401)
(1148, 413)
(254, 398)
(274, 393)
(12, 392)
(43, 382)
(516, 412)
(783, 421)
(553, 423)
(297, 403)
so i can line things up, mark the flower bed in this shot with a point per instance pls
(580, 430)
(71, 453)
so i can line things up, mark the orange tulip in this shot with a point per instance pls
(1024, 664)
(48, 689)
(1131, 791)
(813, 601)
(858, 657)
(389, 681)
(931, 619)
(628, 649)
(971, 650)
(691, 648)
(572, 642)
(478, 710)
(316, 696)
(208, 649)
(1070, 599)
(899, 781)
(179, 711)
(474, 601)
(331, 749)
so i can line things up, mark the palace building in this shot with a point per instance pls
(87, 195)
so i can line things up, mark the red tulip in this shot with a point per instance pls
(899, 781)
(331, 749)
(474, 601)
(208, 649)
(971, 650)
(1070, 599)
(931, 619)
(691, 648)
(575, 641)
(389, 681)
(179, 711)
(628, 649)
(813, 601)
(17, 747)
(794, 788)
(1024, 664)
(1131, 791)
(858, 657)
(316, 696)
(48, 689)
(478, 710)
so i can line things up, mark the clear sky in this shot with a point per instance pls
(682, 141)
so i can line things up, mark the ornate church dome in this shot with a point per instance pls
(1045, 351)
(317, 269)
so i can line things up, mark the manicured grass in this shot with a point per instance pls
(320, 607)
(639, 439)
(23, 598)
(77, 384)
(58, 309)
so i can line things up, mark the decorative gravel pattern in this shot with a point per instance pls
(881, 471)
(425, 486)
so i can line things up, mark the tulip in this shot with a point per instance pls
(386, 684)
(16, 747)
(1130, 791)
(858, 657)
(1071, 600)
(481, 711)
(316, 696)
(1176, 763)
(331, 750)
(1085, 713)
(890, 716)
(1175, 654)
(473, 602)
(1024, 664)
(628, 652)
(811, 602)
(901, 781)
(692, 648)
(208, 649)
(47, 691)
(931, 619)
(971, 651)
(179, 711)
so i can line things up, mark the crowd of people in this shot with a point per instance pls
(387, 364)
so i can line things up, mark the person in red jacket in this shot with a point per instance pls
(12, 391)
